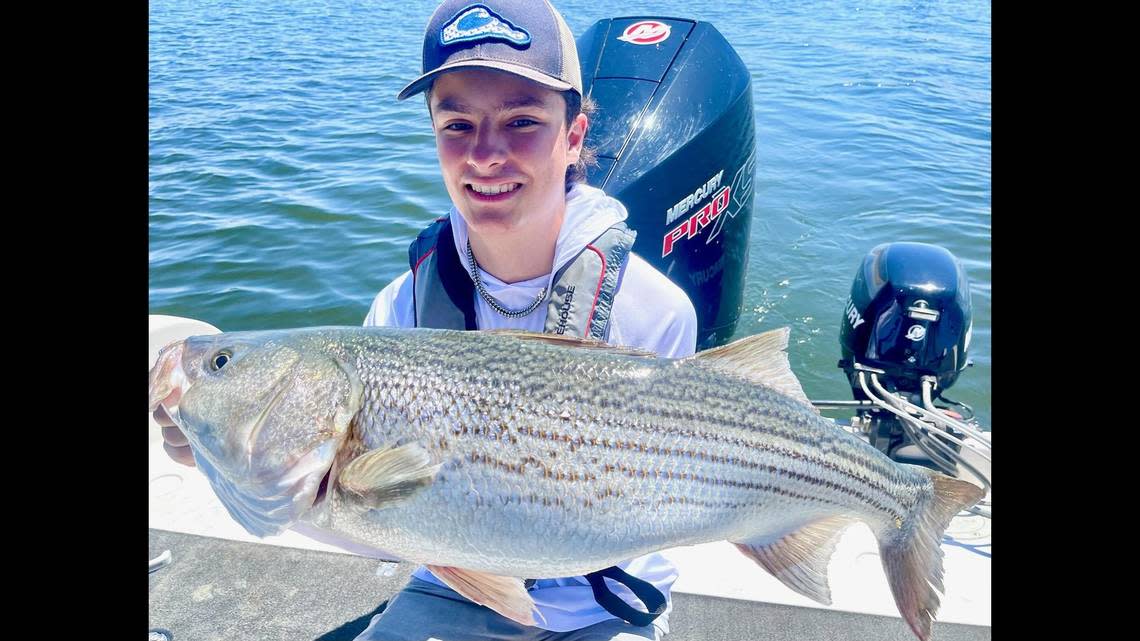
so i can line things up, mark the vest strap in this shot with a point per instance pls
(443, 294)
(582, 296)
(653, 599)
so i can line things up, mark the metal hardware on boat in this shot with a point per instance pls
(863, 368)
(922, 311)
(160, 561)
(933, 431)
(841, 405)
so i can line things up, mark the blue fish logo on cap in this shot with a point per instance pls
(478, 22)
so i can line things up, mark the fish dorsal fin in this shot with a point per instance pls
(571, 341)
(503, 594)
(388, 475)
(760, 359)
(799, 560)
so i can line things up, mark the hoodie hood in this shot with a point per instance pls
(589, 212)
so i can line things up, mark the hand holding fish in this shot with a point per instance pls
(173, 440)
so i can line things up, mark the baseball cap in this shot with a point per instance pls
(528, 38)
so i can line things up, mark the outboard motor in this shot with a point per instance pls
(904, 338)
(676, 144)
(909, 316)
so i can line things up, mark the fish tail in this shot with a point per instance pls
(911, 548)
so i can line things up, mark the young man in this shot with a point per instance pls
(525, 246)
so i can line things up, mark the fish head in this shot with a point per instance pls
(264, 413)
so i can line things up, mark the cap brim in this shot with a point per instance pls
(420, 84)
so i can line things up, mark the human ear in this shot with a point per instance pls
(575, 138)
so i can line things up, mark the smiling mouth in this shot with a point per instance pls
(493, 192)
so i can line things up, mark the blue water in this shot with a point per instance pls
(286, 181)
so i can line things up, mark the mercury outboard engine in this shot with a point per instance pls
(909, 316)
(905, 336)
(676, 145)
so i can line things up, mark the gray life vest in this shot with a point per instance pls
(581, 297)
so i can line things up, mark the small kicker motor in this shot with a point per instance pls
(905, 336)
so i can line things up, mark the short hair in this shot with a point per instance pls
(576, 104)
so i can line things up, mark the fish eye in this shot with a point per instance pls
(219, 360)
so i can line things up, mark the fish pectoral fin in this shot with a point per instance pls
(389, 475)
(503, 594)
(799, 559)
(571, 341)
(760, 359)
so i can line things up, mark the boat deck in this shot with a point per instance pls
(218, 589)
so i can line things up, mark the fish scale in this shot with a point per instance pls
(500, 454)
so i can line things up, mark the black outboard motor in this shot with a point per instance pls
(905, 334)
(908, 315)
(676, 144)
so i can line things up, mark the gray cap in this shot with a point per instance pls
(528, 38)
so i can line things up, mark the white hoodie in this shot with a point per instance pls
(649, 312)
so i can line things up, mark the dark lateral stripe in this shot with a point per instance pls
(774, 429)
(498, 430)
(521, 467)
(617, 444)
(536, 464)
(619, 423)
(764, 487)
(780, 411)
(725, 502)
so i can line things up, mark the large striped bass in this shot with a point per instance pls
(495, 456)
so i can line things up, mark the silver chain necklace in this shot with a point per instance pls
(491, 300)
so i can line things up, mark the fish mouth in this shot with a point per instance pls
(166, 377)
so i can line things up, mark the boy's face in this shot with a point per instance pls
(504, 146)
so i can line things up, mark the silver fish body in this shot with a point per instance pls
(530, 456)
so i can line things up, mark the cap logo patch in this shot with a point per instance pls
(478, 22)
